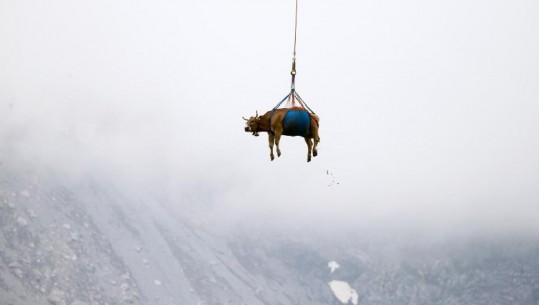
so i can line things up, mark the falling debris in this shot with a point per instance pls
(331, 179)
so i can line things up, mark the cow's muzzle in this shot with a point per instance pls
(248, 129)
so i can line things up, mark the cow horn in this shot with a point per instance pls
(244, 118)
(256, 114)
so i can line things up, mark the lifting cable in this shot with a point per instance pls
(293, 72)
(293, 96)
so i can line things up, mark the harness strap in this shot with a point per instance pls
(279, 104)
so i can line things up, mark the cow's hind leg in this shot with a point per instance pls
(316, 137)
(309, 148)
(315, 149)
(271, 139)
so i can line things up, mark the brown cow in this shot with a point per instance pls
(288, 122)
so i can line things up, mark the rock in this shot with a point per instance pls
(25, 193)
(22, 222)
(74, 237)
(37, 275)
(32, 213)
(71, 256)
(15, 265)
(57, 297)
(16, 269)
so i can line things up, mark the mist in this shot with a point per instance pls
(428, 110)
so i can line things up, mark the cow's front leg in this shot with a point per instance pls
(309, 148)
(271, 139)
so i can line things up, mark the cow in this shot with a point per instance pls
(289, 122)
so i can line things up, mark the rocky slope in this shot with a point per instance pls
(85, 242)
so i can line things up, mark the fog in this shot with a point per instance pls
(428, 109)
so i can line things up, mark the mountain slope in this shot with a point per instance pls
(82, 241)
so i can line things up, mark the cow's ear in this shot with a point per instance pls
(258, 119)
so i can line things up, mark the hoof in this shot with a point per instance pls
(272, 157)
(309, 159)
(315, 153)
(278, 154)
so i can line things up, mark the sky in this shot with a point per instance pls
(428, 108)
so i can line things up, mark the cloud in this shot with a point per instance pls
(425, 122)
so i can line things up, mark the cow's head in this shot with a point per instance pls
(251, 124)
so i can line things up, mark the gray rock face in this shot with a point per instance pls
(57, 297)
(87, 244)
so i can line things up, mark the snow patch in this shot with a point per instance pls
(333, 265)
(343, 292)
